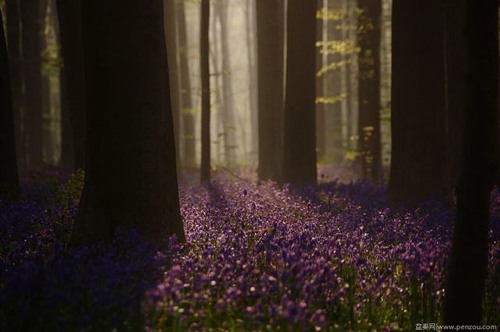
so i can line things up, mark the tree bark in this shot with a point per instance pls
(32, 62)
(270, 53)
(320, 83)
(418, 163)
(227, 87)
(369, 90)
(9, 182)
(13, 24)
(250, 21)
(333, 81)
(130, 171)
(455, 85)
(187, 111)
(469, 254)
(299, 160)
(216, 93)
(205, 91)
(47, 137)
(73, 78)
(173, 74)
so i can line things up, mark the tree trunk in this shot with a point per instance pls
(73, 77)
(205, 91)
(418, 163)
(320, 82)
(67, 150)
(469, 254)
(67, 145)
(45, 83)
(130, 173)
(270, 52)
(455, 85)
(51, 84)
(173, 65)
(186, 101)
(216, 94)
(333, 88)
(369, 89)
(299, 160)
(227, 87)
(252, 72)
(32, 116)
(351, 75)
(9, 182)
(16, 71)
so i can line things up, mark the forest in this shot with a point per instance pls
(249, 165)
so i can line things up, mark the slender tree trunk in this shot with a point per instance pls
(130, 173)
(351, 77)
(31, 119)
(9, 182)
(216, 94)
(73, 77)
(173, 65)
(369, 89)
(469, 254)
(67, 145)
(227, 86)
(31, 45)
(418, 163)
(333, 83)
(45, 83)
(252, 72)
(205, 90)
(51, 84)
(186, 100)
(320, 82)
(299, 161)
(13, 24)
(55, 86)
(346, 75)
(270, 53)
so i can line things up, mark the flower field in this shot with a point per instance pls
(331, 257)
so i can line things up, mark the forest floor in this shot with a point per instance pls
(258, 257)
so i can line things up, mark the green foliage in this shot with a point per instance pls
(54, 190)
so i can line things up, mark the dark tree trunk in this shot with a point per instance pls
(455, 85)
(67, 145)
(299, 159)
(418, 164)
(9, 182)
(130, 171)
(72, 78)
(173, 65)
(369, 89)
(469, 254)
(188, 135)
(16, 73)
(32, 116)
(270, 53)
(205, 91)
